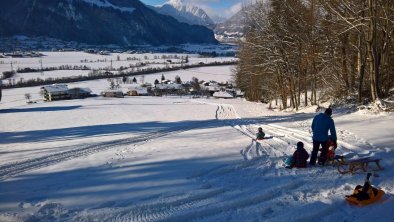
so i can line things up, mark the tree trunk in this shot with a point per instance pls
(314, 85)
(372, 51)
(345, 74)
(305, 88)
(360, 69)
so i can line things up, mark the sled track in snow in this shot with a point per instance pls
(13, 169)
(198, 207)
(228, 113)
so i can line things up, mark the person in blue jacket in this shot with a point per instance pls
(321, 124)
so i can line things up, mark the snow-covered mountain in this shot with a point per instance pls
(232, 30)
(96, 22)
(186, 13)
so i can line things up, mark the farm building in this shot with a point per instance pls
(55, 92)
(138, 91)
(223, 95)
(171, 86)
(161, 89)
(61, 91)
(112, 93)
(79, 93)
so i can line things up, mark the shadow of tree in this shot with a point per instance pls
(40, 109)
(62, 134)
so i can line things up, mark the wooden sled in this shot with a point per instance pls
(353, 166)
(336, 160)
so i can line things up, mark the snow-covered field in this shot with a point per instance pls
(89, 61)
(178, 159)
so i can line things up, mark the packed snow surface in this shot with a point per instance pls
(178, 159)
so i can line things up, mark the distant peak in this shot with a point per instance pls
(175, 3)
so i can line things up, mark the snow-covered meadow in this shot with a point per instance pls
(178, 159)
(127, 62)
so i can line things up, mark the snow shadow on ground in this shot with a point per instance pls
(121, 184)
(97, 131)
(124, 128)
(40, 109)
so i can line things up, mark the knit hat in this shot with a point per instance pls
(300, 145)
(328, 111)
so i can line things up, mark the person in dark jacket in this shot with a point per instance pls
(321, 124)
(300, 156)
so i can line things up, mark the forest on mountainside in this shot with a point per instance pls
(304, 52)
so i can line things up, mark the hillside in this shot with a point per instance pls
(97, 22)
(178, 159)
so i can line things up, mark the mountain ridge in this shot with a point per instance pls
(98, 22)
(232, 30)
(186, 13)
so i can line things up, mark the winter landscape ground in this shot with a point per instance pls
(179, 159)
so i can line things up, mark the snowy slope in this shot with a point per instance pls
(178, 159)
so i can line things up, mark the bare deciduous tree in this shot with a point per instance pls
(295, 47)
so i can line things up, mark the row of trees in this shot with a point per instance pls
(297, 48)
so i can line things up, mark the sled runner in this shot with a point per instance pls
(265, 138)
(336, 160)
(353, 166)
(364, 195)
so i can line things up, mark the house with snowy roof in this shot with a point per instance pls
(61, 91)
(55, 92)
(172, 88)
(112, 93)
(137, 91)
(223, 95)
(79, 93)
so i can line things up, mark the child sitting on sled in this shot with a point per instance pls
(299, 158)
(331, 150)
(260, 134)
(366, 194)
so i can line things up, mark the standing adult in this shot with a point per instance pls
(321, 124)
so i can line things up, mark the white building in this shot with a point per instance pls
(223, 95)
(55, 92)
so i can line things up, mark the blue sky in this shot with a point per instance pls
(224, 8)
